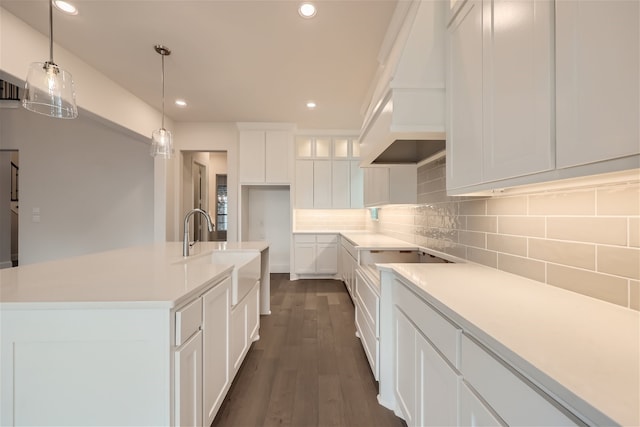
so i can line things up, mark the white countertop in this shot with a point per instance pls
(374, 241)
(583, 350)
(155, 275)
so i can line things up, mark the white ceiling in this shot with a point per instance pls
(233, 60)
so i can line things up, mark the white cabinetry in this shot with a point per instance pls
(367, 306)
(386, 185)
(500, 76)
(426, 349)
(201, 360)
(527, 86)
(348, 265)
(322, 179)
(244, 327)
(513, 398)
(315, 254)
(473, 412)
(188, 382)
(597, 83)
(215, 323)
(326, 174)
(265, 156)
(444, 376)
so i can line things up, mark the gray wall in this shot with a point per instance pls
(92, 183)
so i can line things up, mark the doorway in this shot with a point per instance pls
(203, 179)
(9, 208)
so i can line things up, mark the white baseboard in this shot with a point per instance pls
(279, 268)
(6, 264)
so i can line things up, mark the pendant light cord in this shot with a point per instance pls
(51, 32)
(162, 90)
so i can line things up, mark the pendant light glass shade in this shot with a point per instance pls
(161, 139)
(161, 143)
(49, 89)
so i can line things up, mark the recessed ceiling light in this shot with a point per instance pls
(307, 10)
(181, 103)
(65, 7)
(311, 105)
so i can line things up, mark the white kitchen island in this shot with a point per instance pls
(126, 337)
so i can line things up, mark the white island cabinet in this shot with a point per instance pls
(136, 336)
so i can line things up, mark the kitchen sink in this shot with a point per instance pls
(245, 273)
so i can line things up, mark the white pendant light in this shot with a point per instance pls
(49, 89)
(161, 139)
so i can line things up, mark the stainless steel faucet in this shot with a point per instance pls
(185, 240)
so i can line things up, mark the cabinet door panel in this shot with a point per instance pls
(238, 336)
(340, 178)
(326, 258)
(322, 184)
(304, 184)
(188, 383)
(437, 388)
(252, 156)
(405, 352)
(517, 95)
(513, 398)
(597, 84)
(464, 92)
(277, 157)
(253, 312)
(216, 304)
(305, 258)
(356, 185)
(473, 412)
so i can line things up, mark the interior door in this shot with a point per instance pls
(200, 201)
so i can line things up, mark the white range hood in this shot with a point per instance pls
(406, 115)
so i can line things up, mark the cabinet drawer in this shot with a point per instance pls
(368, 339)
(327, 238)
(304, 238)
(350, 248)
(514, 399)
(369, 301)
(188, 320)
(442, 333)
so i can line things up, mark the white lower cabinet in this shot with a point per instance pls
(188, 382)
(514, 399)
(436, 388)
(315, 254)
(443, 376)
(367, 309)
(215, 309)
(473, 412)
(426, 385)
(348, 265)
(201, 359)
(405, 363)
(244, 326)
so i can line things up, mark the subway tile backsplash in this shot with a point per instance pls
(583, 239)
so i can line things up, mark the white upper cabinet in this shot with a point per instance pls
(517, 88)
(464, 92)
(327, 176)
(500, 74)
(597, 80)
(265, 155)
(540, 90)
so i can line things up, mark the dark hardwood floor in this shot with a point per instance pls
(308, 368)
